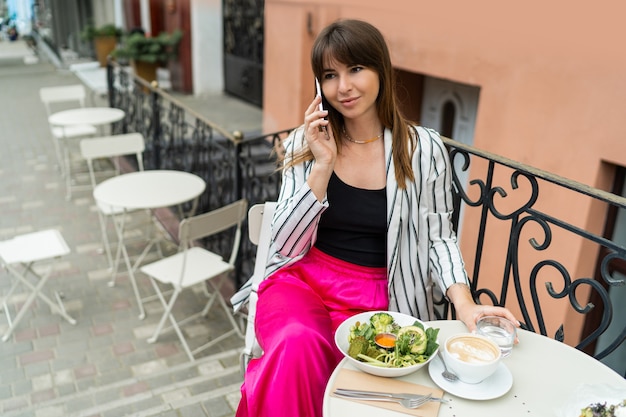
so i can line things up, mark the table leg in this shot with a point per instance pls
(68, 170)
(105, 241)
(121, 249)
(59, 154)
(118, 251)
(145, 251)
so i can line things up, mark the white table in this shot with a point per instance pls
(145, 190)
(94, 116)
(545, 374)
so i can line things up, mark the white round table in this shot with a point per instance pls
(145, 190)
(545, 375)
(95, 116)
(149, 189)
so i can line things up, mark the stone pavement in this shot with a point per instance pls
(102, 366)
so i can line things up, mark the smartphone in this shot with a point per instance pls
(319, 92)
(320, 107)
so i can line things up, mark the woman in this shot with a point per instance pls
(363, 223)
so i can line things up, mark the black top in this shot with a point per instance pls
(354, 226)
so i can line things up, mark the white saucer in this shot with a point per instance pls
(495, 386)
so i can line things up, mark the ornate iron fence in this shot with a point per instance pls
(502, 200)
(506, 197)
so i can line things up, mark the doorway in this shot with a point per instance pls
(243, 49)
(450, 108)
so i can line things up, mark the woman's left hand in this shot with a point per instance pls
(469, 312)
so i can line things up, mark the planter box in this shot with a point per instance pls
(145, 70)
(103, 46)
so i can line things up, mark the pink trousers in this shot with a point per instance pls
(299, 309)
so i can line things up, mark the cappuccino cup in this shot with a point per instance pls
(472, 357)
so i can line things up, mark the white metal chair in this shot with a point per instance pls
(26, 250)
(63, 98)
(259, 232)
(111, 147)
(194, 265)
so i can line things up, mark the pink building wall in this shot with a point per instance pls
(552, 78)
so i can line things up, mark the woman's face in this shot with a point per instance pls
(352, 90)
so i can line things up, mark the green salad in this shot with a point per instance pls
(604, 410)
(412, 345)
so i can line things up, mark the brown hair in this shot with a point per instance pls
(355, 42)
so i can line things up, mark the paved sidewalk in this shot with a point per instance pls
(102, 366)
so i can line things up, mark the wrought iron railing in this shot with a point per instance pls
(507, 198)
(527, 235)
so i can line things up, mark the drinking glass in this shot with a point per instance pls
(500, 330)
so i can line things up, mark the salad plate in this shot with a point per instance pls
(342, 341)
(495, 386)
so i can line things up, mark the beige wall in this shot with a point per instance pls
(104, 13)
(552, 78)
(549, 76)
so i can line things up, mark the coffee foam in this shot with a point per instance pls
(472, 350)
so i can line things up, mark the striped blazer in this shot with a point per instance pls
(421, 244)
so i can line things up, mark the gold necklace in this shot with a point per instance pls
(360, 142)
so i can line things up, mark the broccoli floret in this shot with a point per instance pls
(383, 323)
(357, 346)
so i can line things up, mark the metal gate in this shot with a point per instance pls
(243, 49)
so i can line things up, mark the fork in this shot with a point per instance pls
(405, 402)
(407, 396)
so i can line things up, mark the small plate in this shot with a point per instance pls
(495, 386)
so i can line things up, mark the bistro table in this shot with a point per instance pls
(145, 190)
(94, 116)
(544, 375)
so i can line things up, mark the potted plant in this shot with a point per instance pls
(146, 54)
(104, 40)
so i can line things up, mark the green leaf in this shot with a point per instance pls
(432, 344)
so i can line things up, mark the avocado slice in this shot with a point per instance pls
(418, 339)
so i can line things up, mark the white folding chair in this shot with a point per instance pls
(194, 265)
(63, 98)
(26, 250)
(112, 147)
(259, 232)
